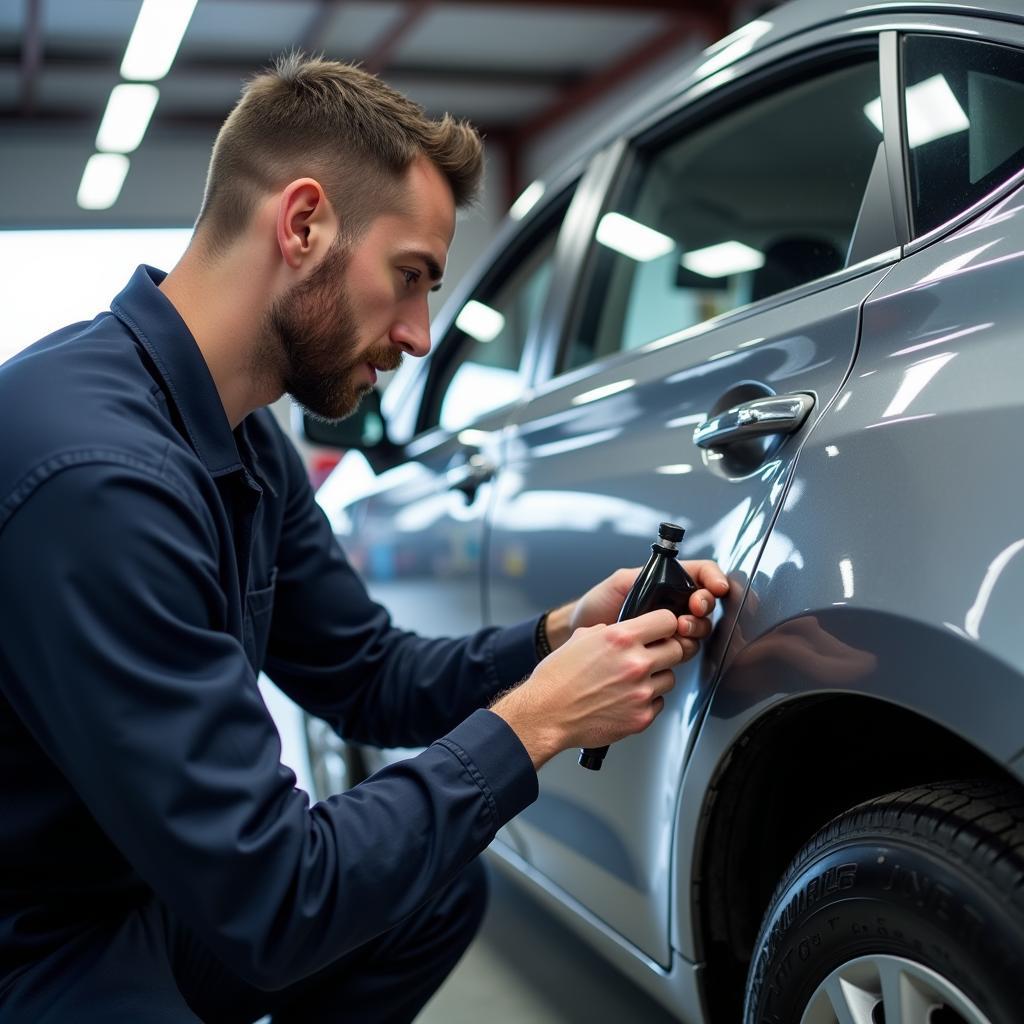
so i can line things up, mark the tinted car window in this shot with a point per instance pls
(480, 366)
(760, 200)
(964, 108)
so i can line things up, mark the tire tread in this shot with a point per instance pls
(978, 822)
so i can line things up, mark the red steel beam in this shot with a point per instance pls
(31, 55)
(388, 44)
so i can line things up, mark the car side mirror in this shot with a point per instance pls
(364, 430)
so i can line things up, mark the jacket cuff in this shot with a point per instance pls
(498, 762)
(514, 653)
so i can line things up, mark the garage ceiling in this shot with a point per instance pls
(516, 68)
(508, 66)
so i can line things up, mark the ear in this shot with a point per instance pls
(305, 221)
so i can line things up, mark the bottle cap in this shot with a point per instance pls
(669, 531)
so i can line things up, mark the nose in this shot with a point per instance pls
(412, 333)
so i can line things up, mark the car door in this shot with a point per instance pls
(722, 287)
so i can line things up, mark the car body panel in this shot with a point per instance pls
(922, 608)
(580, 494)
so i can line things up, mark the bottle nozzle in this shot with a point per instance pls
(671, 532)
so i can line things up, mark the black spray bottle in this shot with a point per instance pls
(662, 583)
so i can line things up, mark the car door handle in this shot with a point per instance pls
(775, 414)
(469, 477)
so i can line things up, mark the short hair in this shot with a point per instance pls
(339, 124)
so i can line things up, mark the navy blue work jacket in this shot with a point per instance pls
(152, 562)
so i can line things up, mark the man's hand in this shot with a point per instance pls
(605, 683)
(602, 603)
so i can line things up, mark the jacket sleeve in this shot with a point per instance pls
(336, 653)
(118, 667)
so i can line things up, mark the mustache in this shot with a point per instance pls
(386, 357)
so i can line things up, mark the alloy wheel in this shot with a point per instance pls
(885, 989)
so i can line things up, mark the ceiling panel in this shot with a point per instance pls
(262, 28)
(483, 104)
(86, 24)
(12, 19)
(356, 28)
(206, 93)
(10, 86)
(531, 37)
(85, 91)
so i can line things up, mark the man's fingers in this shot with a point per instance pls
(707, 575)
(694, 627)
(665, 654)
(662, 682)
(651, 626)
(702, 602)
(623, 579)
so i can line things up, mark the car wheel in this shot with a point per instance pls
(907, 909)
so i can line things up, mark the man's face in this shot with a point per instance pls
(365, 303)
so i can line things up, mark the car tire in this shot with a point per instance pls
(909, 908)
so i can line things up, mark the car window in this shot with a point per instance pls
(964, 109)
(479, 368)
(762, 199)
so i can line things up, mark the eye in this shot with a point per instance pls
(411, 276)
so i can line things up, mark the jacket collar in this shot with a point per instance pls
(186, 378)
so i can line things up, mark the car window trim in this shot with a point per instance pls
(894, 130)
(532, 229)
(571, 254)
(1008, 34)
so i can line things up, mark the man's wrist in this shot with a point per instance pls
(556, 625)
(538, 737)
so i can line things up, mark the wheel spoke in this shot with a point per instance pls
(850, 1003)
(902, 999)
(905, 991)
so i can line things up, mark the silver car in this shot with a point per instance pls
(782, 304)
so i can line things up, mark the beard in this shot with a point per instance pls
(312, 342)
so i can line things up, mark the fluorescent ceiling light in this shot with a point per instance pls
(155, 39)
(676, 469)
(603, 392)
(474, 438)
(126, 118)
(480, 321)
(632, 239)
(723, 259)
(915, 380)
(873, 112)
(933, 112)
(102, 180)
(527, 200)
(846, 573)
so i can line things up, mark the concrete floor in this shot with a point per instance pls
(525, 967)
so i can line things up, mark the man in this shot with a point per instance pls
(160, 545)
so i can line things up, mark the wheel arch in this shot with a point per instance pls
(769, 769)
